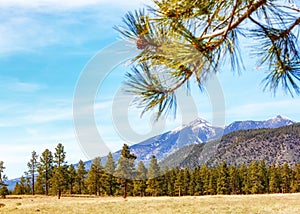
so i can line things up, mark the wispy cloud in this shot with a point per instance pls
(29, 30)
(15, 85)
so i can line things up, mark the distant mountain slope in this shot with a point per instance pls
(276, 146)
(275, 122)
(196, 132)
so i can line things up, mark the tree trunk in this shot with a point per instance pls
(59, 193)
(32, 183)
(125, 190)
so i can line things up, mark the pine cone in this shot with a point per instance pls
(142, 43)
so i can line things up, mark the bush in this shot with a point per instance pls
(4, 191)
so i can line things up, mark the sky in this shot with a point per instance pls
(45, 50)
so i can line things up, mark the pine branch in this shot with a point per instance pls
(236, 23)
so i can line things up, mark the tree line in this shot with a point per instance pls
(49, 174)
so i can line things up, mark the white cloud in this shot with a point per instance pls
(15, 85)
(26, 26)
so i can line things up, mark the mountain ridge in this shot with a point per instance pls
(274, 146)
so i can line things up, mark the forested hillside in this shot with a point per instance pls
(274, 146)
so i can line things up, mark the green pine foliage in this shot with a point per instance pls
(126, 169)
(95, 176)
(45, 168)
(32, 166)
(109, 179)
(140, 184)
(59, 179)
(81, 175)
(184, 40)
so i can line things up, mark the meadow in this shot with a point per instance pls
(273, 203)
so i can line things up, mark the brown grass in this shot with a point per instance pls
(277, 203)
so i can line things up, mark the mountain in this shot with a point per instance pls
(196, 132)
(275, 122)
(274, 146)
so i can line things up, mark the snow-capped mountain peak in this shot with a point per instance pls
(274, 122)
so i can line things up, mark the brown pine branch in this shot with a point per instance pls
(236, 23)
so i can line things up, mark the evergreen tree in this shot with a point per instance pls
(71, 178)
(3, 178)
(223, 179)
(203, 180)
(192, 184)
(140, 180)
(274, 179)
(172, 175)
(109, 169)
(285, 178)
(33, 165)
(212, 184)
(126, 168)
(153, 183)
(59, 173)
(254, 178)
(295, 184)
(186, 182)
(245, 183)
(192, 39)
(94, 180)
(235, 182)
(45, 168)
(178, 185)
(80, 178)
(23, 187)
(263, 177)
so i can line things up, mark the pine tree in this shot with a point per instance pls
(212, 184)
(263, 176)
(203, 180)
(126, 168)
(295, 184)
(285, 178)
(59, 173)
(3, 178)
(153, 183)
(178, 185)
(254, 178)
(17, 189)
(192, 184)
(223, 179)
(109, 169)
(81, 174)
(186, 182)
(45, 168)
(274, 179)
(235, 184)
(140, 180)
(192, 39)
(245, 183)
(72, 175)
(94, 180)
(172, 175)
(33, 165)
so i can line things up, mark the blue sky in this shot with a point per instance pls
(45, 46)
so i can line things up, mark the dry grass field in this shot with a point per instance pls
(277, 203)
